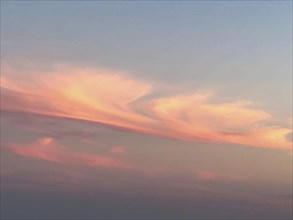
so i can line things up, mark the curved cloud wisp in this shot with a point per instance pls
(120, 101)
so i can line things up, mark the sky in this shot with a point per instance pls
(146, 110)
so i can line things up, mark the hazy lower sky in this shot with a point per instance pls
(146, 110)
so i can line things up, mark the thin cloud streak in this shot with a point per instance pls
(120, 101)
(212, 176)
(47, 149)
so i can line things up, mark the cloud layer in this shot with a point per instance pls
(120, 101)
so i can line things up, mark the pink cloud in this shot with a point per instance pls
(118, 100)
(47, 149)
(212, 176)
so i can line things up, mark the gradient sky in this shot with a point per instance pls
(135, 110)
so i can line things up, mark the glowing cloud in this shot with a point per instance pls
(120, 101)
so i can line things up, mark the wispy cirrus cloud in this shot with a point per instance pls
(47, 149)
(118, 100)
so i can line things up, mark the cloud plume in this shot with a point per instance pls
(118, 100)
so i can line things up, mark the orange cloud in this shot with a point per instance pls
(120, 101)
(211, 176)
(47, 149)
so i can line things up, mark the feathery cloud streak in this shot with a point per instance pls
(120, 101)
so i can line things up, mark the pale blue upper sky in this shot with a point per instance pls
(242, 46)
